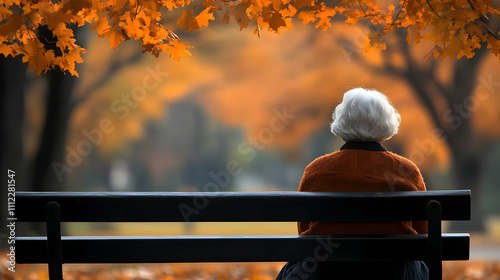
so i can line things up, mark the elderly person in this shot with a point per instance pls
(364, 119)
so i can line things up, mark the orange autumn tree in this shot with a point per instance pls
(458, 27)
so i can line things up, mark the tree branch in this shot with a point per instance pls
(417, 76)
(113, 69)
(397, 16)
(435, 12)
(483, 21)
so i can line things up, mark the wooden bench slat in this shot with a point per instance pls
(242, 207)
(167, 249)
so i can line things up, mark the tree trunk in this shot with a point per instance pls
(12, 78)
(468, 150)
(467, 170)
(468, 160)
(50, 157)
(53, 141)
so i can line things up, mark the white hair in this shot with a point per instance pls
(365, 115)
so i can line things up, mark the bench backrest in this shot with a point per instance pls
(54, 208)
(243, 206)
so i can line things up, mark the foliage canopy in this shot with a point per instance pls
(458, 27)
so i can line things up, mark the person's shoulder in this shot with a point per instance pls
(403, 168)
(401, 164)
(401, 159)
(323, 160)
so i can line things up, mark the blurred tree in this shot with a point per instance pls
(37, 173)
(13, 75)
(60, 103)
(58, 111)
(450, 102)
(12, 79)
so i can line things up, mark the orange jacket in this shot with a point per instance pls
(362, 167)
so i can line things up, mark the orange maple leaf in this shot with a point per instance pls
(6, 50)
(374, 40)
(76, 5)
(240, 15)
(101, 26)
(35, 56)
(307, 16)
(204, 17)
(68, 60)
(116, 36)
(289, 12)
(276, 22)
(188, 21)
(177, 49)
(12, 25)
(277, 5)
(303, 3)
(5, 12)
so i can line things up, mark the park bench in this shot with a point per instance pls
(56, 207)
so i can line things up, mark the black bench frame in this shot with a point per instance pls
(56, 207)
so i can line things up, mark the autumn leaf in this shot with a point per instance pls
(68, 60)
(178, 49)
(240, 15)
(225, 16)
(288, 25)
(120, 5)
(276, 21)
(116, 36)
(433, 52)
(36, 57)
(204, 17)
(12, 25)
(325, 15)
(75, 6)
(307, 16)
(460, 30)
(494, 45)
(150, 5)
(102, 26)
(254, 10)
(188, 21)
(6, 50)
(277, 4)
(290, 11)
(209, 3)
(375, 40)
(303, 3)
(4, 12)
(65, 37)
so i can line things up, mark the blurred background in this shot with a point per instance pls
(257, 109)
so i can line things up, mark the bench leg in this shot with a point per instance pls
(435, 240)
(54, 244)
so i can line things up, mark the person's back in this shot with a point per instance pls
(364, 119)
(362, 167)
